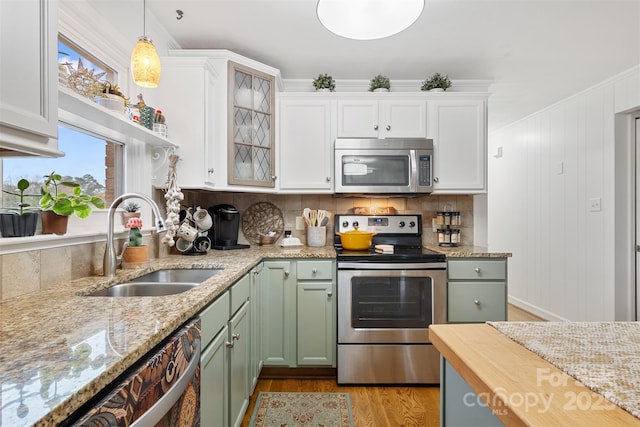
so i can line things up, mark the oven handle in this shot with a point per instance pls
(392, 266)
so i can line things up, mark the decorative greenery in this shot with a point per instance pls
(437, 80)
(135, 236)
(159, 117)
(52, 199)
(378, 82)
(130, 206)
(22, 186)
(112, 89)
(324, 81)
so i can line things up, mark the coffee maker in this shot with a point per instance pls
(224, 232)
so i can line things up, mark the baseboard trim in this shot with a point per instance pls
(280, 372)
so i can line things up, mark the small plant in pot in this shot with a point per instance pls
(57, 205)
(111, 97)
(20, 221)
(380, 83)
(324, 82)
(131, 210)
(436, 83)
(135, 255)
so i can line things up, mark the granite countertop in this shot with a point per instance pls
(467, 252)
(59, 348)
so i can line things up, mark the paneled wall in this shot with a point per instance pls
(560, 199)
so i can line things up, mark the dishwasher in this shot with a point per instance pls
(162, 389)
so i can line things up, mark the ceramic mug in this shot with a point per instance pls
(202, 244)
(187, 232)
(202, 219)
(183, 245)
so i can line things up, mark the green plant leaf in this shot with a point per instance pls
(23, 184)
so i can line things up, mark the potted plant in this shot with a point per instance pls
(324, 83)
(111, 97)
(436, 83)
(135, 255)
(57, 206)
(130, 211)
(380, 83)
(20, 221)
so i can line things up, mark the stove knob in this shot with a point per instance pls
(356, 224)
(412, 224)
(345, 224)
(401, 224)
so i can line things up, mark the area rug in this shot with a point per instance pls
(302, 410)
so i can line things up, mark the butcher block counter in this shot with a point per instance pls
(520, 387)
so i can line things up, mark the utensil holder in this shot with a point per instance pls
(316, 236)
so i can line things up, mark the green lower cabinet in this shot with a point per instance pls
(460, 406)
(278, 293)
(239, 363)
(298, 313)
(214, 382)
(316, 331)
(255, 352)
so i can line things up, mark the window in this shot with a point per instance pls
(91, 160)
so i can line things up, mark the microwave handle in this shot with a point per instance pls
(413, 174)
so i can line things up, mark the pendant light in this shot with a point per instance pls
(368, 19)
(145, 62)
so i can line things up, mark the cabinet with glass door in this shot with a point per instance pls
(251, 127)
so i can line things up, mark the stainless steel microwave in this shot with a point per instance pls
(383, 166)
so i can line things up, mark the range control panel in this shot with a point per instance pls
(381, 224)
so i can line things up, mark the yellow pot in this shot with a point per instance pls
(356, 240)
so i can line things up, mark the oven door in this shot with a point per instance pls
(390, 306)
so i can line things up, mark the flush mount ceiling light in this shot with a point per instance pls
(368, 19)
(145, 62)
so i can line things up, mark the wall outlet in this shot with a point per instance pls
(594, 204)
(299, 223)
(434, 226)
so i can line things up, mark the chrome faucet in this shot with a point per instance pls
(111, 259)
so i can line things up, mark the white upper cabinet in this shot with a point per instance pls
(459, 132)
(220, 111)
(398, 117)
(28, 83)
(306, 127)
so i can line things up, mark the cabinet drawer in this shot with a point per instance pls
(477, 269)
(240, 292)
(476, 302)
(315, 270)
(214, 318)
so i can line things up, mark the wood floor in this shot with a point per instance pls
(377, 406)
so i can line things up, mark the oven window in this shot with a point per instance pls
(375, 170)
(391, 302)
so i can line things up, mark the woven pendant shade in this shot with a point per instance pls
(145, 63)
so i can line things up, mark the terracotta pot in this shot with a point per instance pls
(52, 223)
(356, 240)
(135, 257)
(127, 215)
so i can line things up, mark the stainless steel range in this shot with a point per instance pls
(386, 302)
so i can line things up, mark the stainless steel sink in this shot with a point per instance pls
(158, 283)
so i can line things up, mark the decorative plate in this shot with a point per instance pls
(261, 218)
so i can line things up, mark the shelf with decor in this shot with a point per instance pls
(85, 113)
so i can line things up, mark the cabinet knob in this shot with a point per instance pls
(435, 179)
(476, 302)
(235, 337)
(375, 127)
(286, 273)
(388, 127)
(477, 270)
(328, 179)
(229, 344)
(274, 177)
(314, 271)
(330, 294)
(210, 170)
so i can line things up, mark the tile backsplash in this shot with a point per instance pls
(30, 271)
